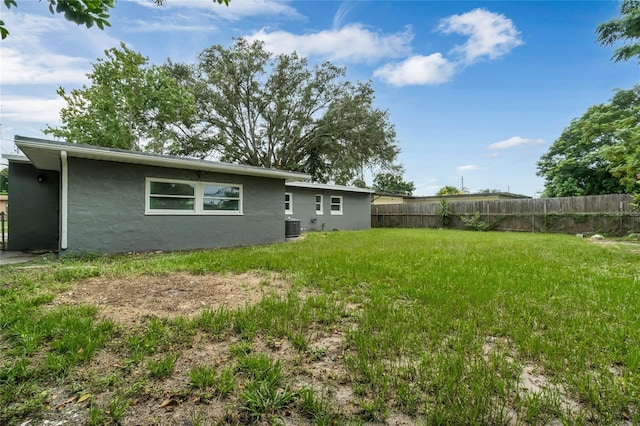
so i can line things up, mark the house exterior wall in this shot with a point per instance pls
(33, 208)
(377, 200)
(106, 211)
(356, 210)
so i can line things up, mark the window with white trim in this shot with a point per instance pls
(172, 197)
(319, 204)
(288, 203)
(336, 204)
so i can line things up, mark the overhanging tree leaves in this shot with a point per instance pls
(275, 111)
(130, 105)
(82, 12)
(626, 28)
(597, 153)
(393, 183)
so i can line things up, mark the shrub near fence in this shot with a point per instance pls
(604, 214)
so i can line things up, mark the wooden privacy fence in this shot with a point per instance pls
(603, 214)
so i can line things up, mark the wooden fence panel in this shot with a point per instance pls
(607, 214)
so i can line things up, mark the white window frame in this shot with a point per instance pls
(321, 202)
(331, 204)
(290, 202)
(198, 199)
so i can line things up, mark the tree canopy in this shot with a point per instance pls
(4, 179)
(599, 153)
(625, 28)
(393, 183)
(82, 12)
(264, 110)
(240, 104)
(129, 105)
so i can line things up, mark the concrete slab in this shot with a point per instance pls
(12, 257)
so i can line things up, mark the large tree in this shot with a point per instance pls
(625, 29)
(393, 183)
(597, 153)
(276, 111)
(129, 104)
(82, 12)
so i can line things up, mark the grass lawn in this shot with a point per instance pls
(388, 325)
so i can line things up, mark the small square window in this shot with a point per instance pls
(288, 203)
(336, 204)
(319, 204)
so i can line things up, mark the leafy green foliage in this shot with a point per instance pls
(82, 12)
(445, 212)
(598, 153)
(394, 183)
(626, 28)
(475, 222)
(275, 111)
(449, 190)
(4, 180)
(129, 105)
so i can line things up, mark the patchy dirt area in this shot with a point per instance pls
(127, 300)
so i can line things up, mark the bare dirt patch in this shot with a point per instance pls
(128, 300)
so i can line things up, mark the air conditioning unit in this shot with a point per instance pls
(292, 228)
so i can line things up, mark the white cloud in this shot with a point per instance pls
(490, 34)
(236, 10)
(417, 70)
(32, 109)
(183, 24)
(352, 43)
(515, 141)
(20, 67)
(428, 186)
(468, 168)
(31, 54)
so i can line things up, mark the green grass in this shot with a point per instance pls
(437, 325)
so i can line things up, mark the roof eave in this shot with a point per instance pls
(30, 146)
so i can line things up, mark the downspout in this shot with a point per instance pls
(63, 200)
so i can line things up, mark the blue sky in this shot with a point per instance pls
(476, 90)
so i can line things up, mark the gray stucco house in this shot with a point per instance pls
(321, 207)
(76, 198)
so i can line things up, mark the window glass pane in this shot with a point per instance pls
(318, 198)
(167, 203)
(221, 191)
(335, 207)
(172, 188)
(335, 200)
(218, 204)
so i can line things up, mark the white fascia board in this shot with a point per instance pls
(32, 147)
(16, 158)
